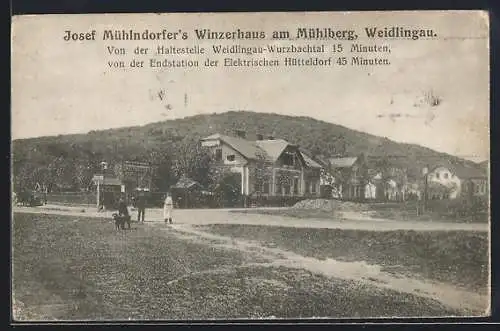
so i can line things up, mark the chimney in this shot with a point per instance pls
(260, 137)
(240, 133)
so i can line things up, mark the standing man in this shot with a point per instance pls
(168, 206)
(141, 207)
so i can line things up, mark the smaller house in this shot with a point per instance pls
(186, 193)
(349, 177)
(108, 189)
(107, 183)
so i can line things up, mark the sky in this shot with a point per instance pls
(63, 87)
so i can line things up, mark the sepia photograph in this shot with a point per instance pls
(227, 166)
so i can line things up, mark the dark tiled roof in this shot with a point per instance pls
(309, 161)
(185, 183)
(248, 149)
(111, 181)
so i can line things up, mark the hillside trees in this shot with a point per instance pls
(176, 143)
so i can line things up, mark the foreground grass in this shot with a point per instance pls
(81, 269)
(456, 257)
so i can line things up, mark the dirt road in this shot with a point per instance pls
(354, 221)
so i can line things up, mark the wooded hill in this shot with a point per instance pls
(69, 161)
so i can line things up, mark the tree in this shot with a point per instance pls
(82, 176)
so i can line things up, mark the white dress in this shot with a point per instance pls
(168, 205)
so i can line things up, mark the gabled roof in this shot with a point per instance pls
(111, 181)
(248, 149)
(463, 172)
(342, 162)
(309, 161)
(185, 183)
(272, 148)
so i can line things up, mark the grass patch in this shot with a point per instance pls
(438, 210)
(292, 212)
(456, 257)
(81, 268)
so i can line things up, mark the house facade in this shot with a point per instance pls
(349, 174)
(452, 182)
(267, 167)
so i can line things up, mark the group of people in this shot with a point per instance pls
(140, 204)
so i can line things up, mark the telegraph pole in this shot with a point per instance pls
(98, 194)
(426, 185)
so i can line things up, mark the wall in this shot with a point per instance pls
(72, 198)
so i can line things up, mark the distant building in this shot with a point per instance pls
(349, 174)
(459, 181)
(269, 167)
(186, 192)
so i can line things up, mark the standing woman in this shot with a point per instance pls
(168, 206)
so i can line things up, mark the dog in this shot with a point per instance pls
(120, 221)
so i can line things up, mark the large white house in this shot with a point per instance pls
(290, 172)
(456, 181)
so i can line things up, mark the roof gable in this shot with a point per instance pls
(272, 148)
(309, 161)
(247, 148)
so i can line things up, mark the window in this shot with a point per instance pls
(288, 159)
(218, 154)
(307, 184)
(278, 189)
(295, 186)
(313, 187)
(266, 188)
(437, 175)
(287, 189)
(231, 158)
(445, 175)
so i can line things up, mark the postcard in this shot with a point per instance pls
(242, 166)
